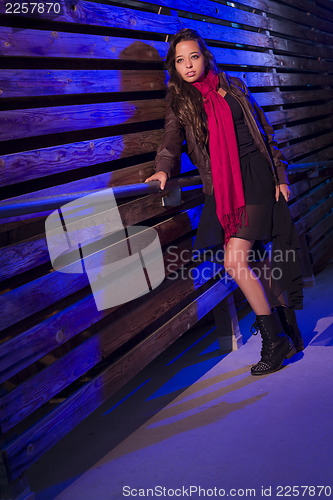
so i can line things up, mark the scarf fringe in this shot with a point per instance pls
(233, 221)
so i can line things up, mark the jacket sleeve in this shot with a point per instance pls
(168, 157)
(276, 154)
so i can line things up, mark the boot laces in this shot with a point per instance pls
(267, 346)
(255, 327)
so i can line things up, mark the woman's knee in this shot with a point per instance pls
(235, 258)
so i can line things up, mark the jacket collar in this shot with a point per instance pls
(229, 84)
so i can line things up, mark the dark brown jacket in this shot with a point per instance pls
(169, 152)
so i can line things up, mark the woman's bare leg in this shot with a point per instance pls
(237, 266)
(263, 270)
(275, 344)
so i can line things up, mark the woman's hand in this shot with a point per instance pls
(284, 189)
(159, 176)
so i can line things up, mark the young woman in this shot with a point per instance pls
(230, 141)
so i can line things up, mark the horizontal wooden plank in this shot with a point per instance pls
(224, 56)
(12, 226)
(258, 79)
(18, 304)
(292, 13)
(35, 43)
(120, 177)
(24, 255)
(298, 131)
(94, 14)
(38, 163)
(276, 98)
(319, 167)
(302, 186)
(299, 113)
(16, 124)
(27, 347)
(44, 82)
(321, 248)
(297, 48)
(323, 155)
(312, 7)
(232, 13)
(327, 4)
(292, 47)
(44, 434)
(311, 218)
(22, 302)
(31, 251)
(31, 345)
(34, 296)
(131, 19)
(299, 63)
(40, 388)
(302, 206)
(142, 209)
(308, 145)
(320, 230)
(11, 232)
(245, 57)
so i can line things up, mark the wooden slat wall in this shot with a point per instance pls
(82, 108)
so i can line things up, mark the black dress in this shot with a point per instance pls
(267, 220)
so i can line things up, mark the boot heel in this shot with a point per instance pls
(291, 353)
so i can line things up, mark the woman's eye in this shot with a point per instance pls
(195, 56)
(179, 61)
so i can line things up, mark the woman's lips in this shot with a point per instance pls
(190, 73)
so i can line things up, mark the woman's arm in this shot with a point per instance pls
(169, 152)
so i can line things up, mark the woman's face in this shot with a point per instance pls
(189, 61)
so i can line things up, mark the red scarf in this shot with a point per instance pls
(224, 157)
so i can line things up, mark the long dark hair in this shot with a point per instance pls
(186, 100)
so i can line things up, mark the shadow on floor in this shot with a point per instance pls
(180, 392)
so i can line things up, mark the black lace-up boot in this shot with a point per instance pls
(289, 323)
(276, 346)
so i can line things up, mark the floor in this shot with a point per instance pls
(196, 423)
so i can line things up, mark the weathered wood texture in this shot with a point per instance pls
(82, 108)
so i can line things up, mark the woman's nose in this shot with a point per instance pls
(189, 63)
